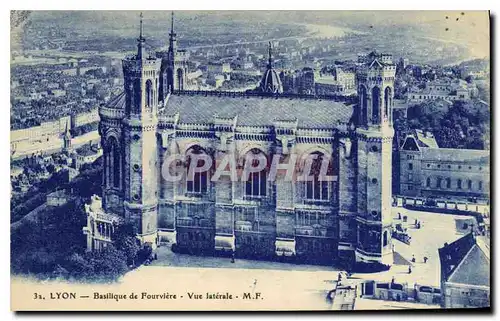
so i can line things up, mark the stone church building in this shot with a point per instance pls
(348, 219)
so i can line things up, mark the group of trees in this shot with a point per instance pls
(52, 244)
(461, 125)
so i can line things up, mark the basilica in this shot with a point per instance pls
(347, 219)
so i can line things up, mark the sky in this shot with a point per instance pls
(470, 28)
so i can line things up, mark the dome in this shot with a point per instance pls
(271, 82)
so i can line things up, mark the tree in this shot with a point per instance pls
(79, 266)
(125, 241)
(109, 263)
(463, 125)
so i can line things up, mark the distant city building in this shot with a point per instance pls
(450, 90)
(87, 154)
(465, 273)
(218, 68)
(327, 86)
(302, 82)
(427, 170)
(346, 79)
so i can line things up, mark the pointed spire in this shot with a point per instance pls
(172, 35)
(172, 24)
(67, 133)
(141, 52)
(140, 35)
(270, 61)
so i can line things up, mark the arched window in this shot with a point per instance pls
(469, 184)
(385, 239)
(387, 102)
(480, 185)
(459, 184)
(197, 183)
(363, 104)
(149, 93)
(438, 182)
(113, 162)
(180, 79)
(428, 182)
(256, 182)
(448, 182)
(375, 105)
(318, 188)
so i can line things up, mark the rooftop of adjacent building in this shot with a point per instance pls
(465, 261)
(426, 143)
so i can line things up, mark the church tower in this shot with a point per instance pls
(374, 159)
(140, 174)
(67, 138)
(174, 67)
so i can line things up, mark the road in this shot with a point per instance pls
(54, 145)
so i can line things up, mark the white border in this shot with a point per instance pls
(5, 313)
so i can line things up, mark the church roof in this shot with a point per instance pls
(254, 110)
(117, 102)
(271, 82)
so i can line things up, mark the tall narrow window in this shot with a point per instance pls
(428, 182)
(149, 94)
(180, 79)
(448, 182)
(256, 183)
(387, 102)
(198, 183)
(318, 187)
(114, 164)
(480, 185)
(469, 184)
(459, 184)
(438, 182)
(363, 104)
(375, 105)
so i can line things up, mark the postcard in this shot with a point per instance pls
(250, 160)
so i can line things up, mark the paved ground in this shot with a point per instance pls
(167, 258)
(436, 229)
(290, 286)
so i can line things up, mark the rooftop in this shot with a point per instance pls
(465, 261)
(258, 110)
(452, 154)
